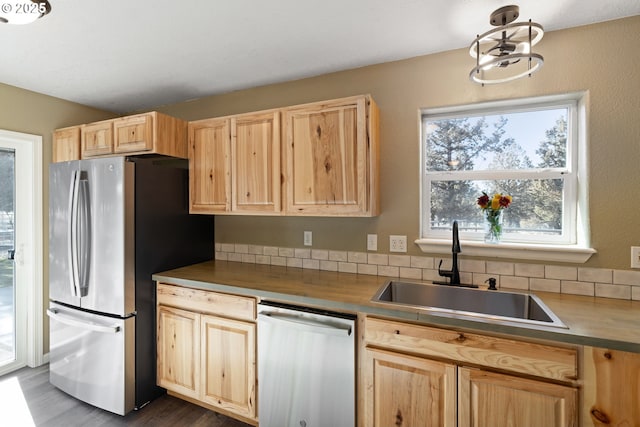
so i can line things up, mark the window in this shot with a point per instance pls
(528, 149)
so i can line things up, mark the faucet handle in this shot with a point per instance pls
(444, 273)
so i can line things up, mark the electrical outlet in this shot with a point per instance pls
(372, 242)
(308, 238)
(635, 256)
(398, 243)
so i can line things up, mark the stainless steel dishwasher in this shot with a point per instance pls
(306, 367)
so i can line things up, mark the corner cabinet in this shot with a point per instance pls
(206, 349)
(418, 375)
(234, 164)
(331, 158)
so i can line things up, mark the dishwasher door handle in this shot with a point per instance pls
(306, 324)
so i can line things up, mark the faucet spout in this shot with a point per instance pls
(454, 273)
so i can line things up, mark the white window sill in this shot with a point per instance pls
(559, 253)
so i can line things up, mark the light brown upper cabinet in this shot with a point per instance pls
(147, 133)
(331, 158)
(234, 164)
(96, 139)
(151, 132)
(66, 144)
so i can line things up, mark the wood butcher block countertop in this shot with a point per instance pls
(597, 322)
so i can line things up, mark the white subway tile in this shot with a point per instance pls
(256, 250)
(241, 248)
(421, 262)
(505, 268)
(577, 288)
(279, 260)
(411, 273)
(227, 247)
(218, 247)
(294, 262)
(263, 259)
(347, 267)
(248, 258)
(529, 270)
(544, 285)
(222, 256)
(357, 257)
(399, 260)
(235, 257)
(600, 275)
(340, 256)
(311, 264)
(271, 250)
(514, 282)
(560, 272)
(302, 253)
(286, 252)
(626, 277)
(328, 265)
(389, 271)
(635, 293)
(430, 274)
(607, 290)
(368, 269)
(320, 254)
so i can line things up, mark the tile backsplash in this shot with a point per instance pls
(599, 282)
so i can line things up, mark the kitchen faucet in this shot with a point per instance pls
(454, 273)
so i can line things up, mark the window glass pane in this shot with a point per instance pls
(508, 141)
(536, 208)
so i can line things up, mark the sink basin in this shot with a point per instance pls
(452, 301)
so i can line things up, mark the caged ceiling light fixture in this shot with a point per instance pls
(504, 53)
(23, 11)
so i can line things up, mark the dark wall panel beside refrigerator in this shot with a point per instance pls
(166, 237)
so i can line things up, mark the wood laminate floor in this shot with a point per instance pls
(28, 399)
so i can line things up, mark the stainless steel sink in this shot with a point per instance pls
(452, 301)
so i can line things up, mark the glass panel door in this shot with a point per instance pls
(7, 255)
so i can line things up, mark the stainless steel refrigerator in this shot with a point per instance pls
(113, 222)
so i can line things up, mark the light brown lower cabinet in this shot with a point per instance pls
(488, 399)
(204, 355)
(415, 375)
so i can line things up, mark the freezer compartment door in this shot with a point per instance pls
(92, 357)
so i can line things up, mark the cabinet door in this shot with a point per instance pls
(327, 163)
(255, 154)
(178, 351)
(489, 399)
(66, 144)
(133, 133)
(210, 166)
(611, 388)
(97, 139)
(228, 364)
(407, 391)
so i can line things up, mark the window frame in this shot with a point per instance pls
(574, 240)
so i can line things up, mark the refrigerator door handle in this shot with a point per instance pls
(72, 243)
(54, 314)
(83, 255)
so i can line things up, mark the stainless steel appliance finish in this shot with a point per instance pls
(491, 306)
(306, 368)
(113, 222)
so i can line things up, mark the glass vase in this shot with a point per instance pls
(493, 226)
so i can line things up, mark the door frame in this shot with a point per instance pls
(29, 247)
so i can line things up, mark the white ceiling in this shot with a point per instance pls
(128, 55)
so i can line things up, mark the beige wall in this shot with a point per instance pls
(602, 59)
(33, 113)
